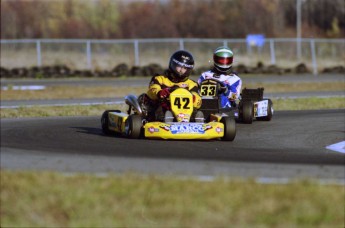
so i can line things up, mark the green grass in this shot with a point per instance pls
(94, 110)
(45, 199)
(68, 92)
(309, 103)
(45, 111)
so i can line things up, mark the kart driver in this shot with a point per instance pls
(221, 71)
(181, 65)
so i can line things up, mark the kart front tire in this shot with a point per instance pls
(134, 126)
(229, 128)
(247, 112)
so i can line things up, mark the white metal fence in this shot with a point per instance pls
(105, 54)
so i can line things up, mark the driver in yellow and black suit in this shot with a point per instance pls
(180, 67)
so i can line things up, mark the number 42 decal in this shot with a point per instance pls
(182, 102)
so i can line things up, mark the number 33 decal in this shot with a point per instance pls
(208, 90)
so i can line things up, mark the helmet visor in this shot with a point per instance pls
(223, 61)
(182, 64)
(180, 74)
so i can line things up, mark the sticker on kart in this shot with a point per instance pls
(186, 128)
(209, 130)
(260, 108)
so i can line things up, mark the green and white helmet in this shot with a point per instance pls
(222, 59)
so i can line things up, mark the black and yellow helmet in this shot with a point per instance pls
(183, 59)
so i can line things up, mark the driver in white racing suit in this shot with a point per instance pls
(221, 71)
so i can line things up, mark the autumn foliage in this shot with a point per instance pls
(107, 19)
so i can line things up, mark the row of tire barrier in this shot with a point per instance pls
(121, 70)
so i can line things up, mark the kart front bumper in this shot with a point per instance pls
(201, 131)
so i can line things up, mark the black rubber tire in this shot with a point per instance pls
(134, 126)
(105, 121)
(269, 112)
(229, 128)
(247, 112)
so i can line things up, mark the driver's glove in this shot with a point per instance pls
(164, 93)
(233, 97)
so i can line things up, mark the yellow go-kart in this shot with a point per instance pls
(180, 125)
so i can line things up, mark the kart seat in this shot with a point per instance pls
(209, 106)
(252, 94)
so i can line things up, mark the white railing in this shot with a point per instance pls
(105, 54)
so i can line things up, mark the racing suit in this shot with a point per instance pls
(232, 82)
(160, 82)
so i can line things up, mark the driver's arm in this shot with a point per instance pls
(235, 90)
(194, 89)
(154, 87)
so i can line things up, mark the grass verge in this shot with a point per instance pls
(45, 199)
(68, 92)
(79, 110)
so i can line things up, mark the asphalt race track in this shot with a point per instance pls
(292, 145)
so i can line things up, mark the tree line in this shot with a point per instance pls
(110, 19)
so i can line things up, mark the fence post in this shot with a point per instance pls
(181, 44)
(249, 50)
(136, 52)
(299, 51)
(38, 51)
(88, 54)
(313, 56)
(298, 26)
(273, 54)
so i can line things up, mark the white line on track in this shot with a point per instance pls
(23, 87)
(210, 178)
(338, 147)
(69, 104)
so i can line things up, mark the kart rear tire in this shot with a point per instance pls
(105, 121)
(247, 112)
(229, 128)
(134, 126)
(269, 112)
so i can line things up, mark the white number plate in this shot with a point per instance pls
(260, 108)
